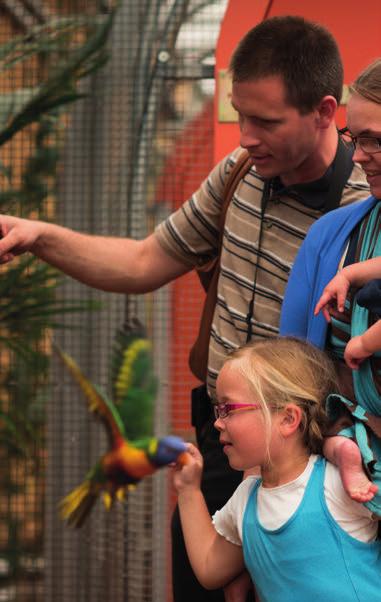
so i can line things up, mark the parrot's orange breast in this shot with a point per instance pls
(126, 464)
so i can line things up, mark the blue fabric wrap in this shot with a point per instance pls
(315, 265)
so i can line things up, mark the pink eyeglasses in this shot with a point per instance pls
(222, 410)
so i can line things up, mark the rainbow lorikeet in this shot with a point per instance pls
(133, 453)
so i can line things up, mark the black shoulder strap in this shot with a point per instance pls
(342, 169)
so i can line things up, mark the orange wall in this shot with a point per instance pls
(355, 25)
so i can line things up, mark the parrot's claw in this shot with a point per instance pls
(121, 494)
(107, 500)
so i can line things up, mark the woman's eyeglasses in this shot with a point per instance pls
(222, 410)
(368, 144)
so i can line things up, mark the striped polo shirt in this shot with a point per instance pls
(255, 261)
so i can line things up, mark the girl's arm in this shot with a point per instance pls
(214, 560)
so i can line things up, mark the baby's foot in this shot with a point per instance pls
(355, 482)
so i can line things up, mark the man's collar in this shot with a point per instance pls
(312, 194)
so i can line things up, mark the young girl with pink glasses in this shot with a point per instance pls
(295, 529)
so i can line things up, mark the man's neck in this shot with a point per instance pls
(316, 164)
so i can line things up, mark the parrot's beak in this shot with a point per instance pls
(183, 458)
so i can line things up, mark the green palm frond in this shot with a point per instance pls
(69, 63)
(29, 304)
(66, 50)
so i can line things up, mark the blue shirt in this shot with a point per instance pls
(315, 265)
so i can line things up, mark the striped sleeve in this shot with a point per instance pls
(191, 233)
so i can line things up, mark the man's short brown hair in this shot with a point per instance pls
(303, 53)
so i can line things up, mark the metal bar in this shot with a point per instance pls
(188, 72)
(37, 9)
(17, 13)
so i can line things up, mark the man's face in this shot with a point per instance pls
(280, 140)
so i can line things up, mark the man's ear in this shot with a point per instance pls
(326, 111)
(290, 419)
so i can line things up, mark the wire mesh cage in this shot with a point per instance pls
(106, 126)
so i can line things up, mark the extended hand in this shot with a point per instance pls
(18, 235)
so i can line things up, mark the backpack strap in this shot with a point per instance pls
(342, 169)
(209, 274)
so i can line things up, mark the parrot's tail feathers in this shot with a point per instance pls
(77, 505)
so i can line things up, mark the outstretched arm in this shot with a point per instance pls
(214, 560)
(356, 274)
(120, 265)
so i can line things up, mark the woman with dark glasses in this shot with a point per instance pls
(339, 239)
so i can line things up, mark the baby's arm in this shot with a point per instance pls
(363, 346)
(214, 560)
(356, 274)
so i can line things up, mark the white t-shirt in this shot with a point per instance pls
(277, 504)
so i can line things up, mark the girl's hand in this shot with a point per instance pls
(336, 289)
(188, 476)
(356, 352)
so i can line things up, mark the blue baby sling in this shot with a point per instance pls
(368, 399)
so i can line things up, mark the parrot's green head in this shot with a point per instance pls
(166, 450)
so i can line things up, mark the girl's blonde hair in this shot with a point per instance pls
(368, 83)
(285, 370)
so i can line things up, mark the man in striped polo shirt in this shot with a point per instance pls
(287, 83)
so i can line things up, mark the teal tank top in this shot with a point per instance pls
(310, 558)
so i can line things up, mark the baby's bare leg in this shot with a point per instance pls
(345, 454)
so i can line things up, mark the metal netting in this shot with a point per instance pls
(115, 162)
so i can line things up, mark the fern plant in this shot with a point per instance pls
(33, 121)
